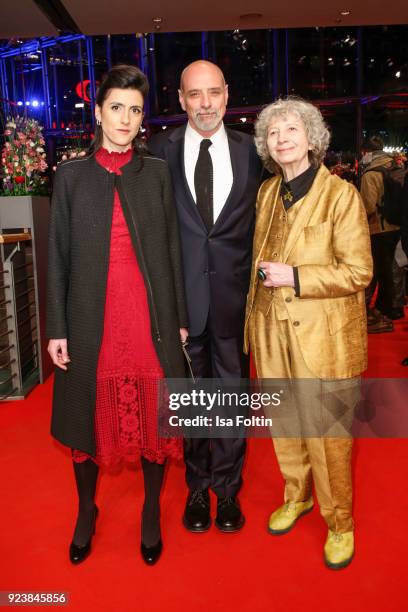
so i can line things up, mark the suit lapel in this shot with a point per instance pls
(176, 162)
(271, 197)
(304, 212)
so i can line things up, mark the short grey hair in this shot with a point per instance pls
(318, 133)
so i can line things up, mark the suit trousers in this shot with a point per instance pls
(216, 463)
(323, 455)
(383, 250)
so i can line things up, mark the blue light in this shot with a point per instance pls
(19, 103)
(35, 103)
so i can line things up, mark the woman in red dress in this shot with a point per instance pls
(132, 354)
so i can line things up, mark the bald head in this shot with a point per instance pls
(203, 94)
(201, 68)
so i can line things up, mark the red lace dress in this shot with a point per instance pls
(126, 412)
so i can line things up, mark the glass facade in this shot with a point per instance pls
(357, 76)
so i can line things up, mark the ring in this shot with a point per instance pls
(261, 274)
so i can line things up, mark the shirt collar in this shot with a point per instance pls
(217, 139)
(297, 188)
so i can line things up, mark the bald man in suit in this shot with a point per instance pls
(216, 174)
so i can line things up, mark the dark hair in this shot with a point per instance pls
(122, 76)
(375, 143)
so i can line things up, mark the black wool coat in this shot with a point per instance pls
(79, 241)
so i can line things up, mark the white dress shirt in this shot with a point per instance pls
(221, 161)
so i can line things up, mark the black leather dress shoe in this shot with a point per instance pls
(196, 516)
(151, 554)
(77, 554)
(229, 516)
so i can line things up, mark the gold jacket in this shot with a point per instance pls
(329, 243)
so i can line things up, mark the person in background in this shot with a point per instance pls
(306, 317)
(116, 308)
(384, 237)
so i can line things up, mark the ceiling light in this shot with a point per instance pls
(157, 22)
(345, 12)
(398, 74)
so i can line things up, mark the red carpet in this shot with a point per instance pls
(247, 571)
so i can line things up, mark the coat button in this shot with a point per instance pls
(296, 323)
(288, 299)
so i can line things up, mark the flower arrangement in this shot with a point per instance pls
(69, 153)
(23, 160)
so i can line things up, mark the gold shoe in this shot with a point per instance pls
(284, 518)
(339, 549)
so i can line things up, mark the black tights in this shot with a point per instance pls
(153, 479)
(86, 475)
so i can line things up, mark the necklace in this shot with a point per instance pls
(286, 193)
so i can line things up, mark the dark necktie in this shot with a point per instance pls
(203, 183)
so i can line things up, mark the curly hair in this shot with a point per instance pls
(317, 132)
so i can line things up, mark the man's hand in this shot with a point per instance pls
(277, 274)
(183, 334)
(59, 352)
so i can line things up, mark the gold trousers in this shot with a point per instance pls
(324, 460)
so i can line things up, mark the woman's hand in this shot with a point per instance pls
(58, 350)
(183, 334)
(277, 274)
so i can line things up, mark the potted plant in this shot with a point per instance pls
(25, 205)
(23, 158)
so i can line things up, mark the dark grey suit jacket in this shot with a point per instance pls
(216, 264)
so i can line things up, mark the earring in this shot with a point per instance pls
(98, 122)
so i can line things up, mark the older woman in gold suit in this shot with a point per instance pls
(306, 314)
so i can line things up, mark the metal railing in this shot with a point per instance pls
(19, 362)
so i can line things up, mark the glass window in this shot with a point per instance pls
(172, 53)
(246, 59)
(385, 59)
(322, 62)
